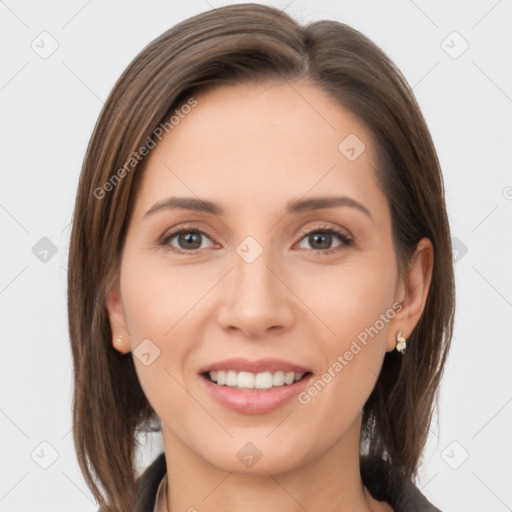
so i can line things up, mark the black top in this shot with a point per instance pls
(384, 481)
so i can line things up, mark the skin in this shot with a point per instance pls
(291, 303)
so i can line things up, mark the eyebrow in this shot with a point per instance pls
(295, 206)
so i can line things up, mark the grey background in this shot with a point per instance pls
(49, 105)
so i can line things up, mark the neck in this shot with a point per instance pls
(328, 482)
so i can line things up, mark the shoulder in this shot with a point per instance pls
(384, 481)
(387, 483)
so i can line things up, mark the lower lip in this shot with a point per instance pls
(255, 402)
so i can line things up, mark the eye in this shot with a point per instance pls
(188, 239)
(322, 238)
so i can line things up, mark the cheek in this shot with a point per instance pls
(158, 309)
(158, 297)
(347, 300)
(355, 307)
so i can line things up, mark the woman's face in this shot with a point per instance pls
(245, 292)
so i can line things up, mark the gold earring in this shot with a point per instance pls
(401, 342)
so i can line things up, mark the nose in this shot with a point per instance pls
(257, 301)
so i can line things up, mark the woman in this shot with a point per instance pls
(260, 260)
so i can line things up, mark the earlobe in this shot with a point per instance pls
(413, 293)
(120, 338)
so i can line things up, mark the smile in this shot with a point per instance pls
(254, 387)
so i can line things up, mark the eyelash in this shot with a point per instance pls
(346, 240)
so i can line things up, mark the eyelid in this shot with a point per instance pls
(324, 227)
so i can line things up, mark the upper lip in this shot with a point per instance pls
(240, 364)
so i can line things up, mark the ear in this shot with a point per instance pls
(412, 292)
(120, 334)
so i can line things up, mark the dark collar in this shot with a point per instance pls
(384, 481)
(387, 483)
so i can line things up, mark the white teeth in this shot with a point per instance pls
(263, 380)
(245, 380)
(231, 379)
(289, 378)
(278, 379)
(248, 380)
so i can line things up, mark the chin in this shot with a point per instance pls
(257, 457)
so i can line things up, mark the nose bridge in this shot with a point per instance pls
(257, 298)
(253, 279)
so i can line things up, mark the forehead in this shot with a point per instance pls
(261, 144)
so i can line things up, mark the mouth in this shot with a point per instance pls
(249, 381)
(254, 387)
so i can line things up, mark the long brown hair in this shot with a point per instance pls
(235, 44)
